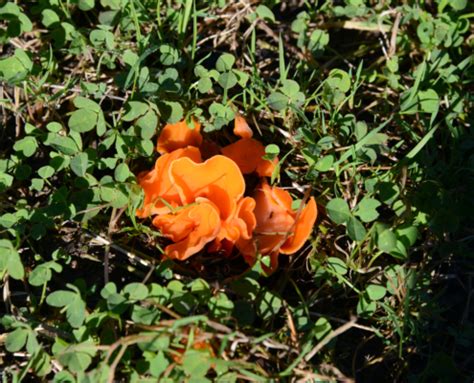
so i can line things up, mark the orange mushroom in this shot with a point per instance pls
(279, 228)
(303, 228)
(237, 228)
(218, 179)
(265, 168)
(179, 135)
(247, 154)
(160, 193)
(241, 128)
(191, 228)
(200, 204)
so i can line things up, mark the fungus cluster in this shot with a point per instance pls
(197, 198)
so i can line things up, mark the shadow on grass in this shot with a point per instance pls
(436, 331)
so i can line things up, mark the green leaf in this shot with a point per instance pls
(136, 291)
(429, 100)
(86, 5)
(40, 275)
(65, 145)
(201, 71)
(388, 192)
(336, 265)
(41, 363)
(114, 195)
(108, 290)
(16, 67)
(265, 13)
(117, 303)
(147, 147)
(204, 85)
(85, 103)
(386, 239)
(168, 55)
(325, 163)
(365, 306)
(135, 110)
(225, 62)
(101, 125)
(268, 304)
(339, 79)
(277, 101)
(407, 234)
(458, 5)
(99, 37)
(37, 184)
(32, 345)
(290, 88)
(83, 120)
(338, 211)
(158, 342)
(220, 305)
(145, 315)
(322, 327)
(10, 261)
(375, 292)
(360, 130)
(242, 77)
(158, 364)
(27, 146)
(79, 164)
(318, 40)
(392, 64)
(196, 363)
(271, 151)
(173, 111)
(355, 229)
(24, 59)
(43, 273)
(227, 80)
(122, 172)
(77, 357)
(60, 298)
(10, 9)
(16, 340)
(6, 181)
(46, 172)
(148, 124)
(367, 209)
(76, 312)
(7, 220)
(130, 58)
(113, 4)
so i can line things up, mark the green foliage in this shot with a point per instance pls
(368, 107)
(10, 261)
(71, 302)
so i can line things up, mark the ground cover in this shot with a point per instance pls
(365, 106)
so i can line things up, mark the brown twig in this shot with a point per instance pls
(329, 337)
(393, 37)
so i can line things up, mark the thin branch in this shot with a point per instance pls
(329, 337)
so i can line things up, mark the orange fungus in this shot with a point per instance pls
(190, 229)
(179, 135)
(247, 153)
(160, 193)
(279, 228)
(241, 128)
(201, 205)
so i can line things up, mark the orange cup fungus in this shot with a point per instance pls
(199, 204)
